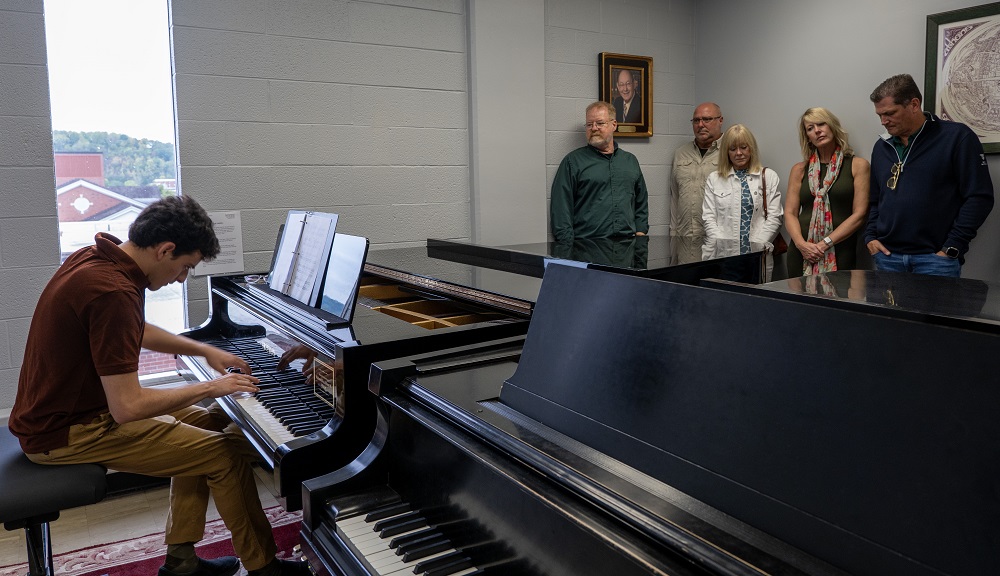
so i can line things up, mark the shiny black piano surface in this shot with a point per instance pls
(655, 433)
(966, 302)
(407, 303)
(661, 257)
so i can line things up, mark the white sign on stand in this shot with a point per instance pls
(229, 231)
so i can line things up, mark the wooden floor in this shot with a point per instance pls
(115, 518)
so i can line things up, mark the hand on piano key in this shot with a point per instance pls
(233, 383)
(235, 370)
(221, 361)
(295, 353)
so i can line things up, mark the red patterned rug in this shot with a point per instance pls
(144, 556)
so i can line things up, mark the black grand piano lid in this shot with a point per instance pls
(962, 302)
(877, 452)
(663, 257)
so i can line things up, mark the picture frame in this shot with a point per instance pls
(958, 48)
(634, 113)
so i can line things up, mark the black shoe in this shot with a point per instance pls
(278, 567)
(225, 566)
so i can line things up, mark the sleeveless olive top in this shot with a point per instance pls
(841, 205)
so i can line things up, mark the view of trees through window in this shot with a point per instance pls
(112, 127)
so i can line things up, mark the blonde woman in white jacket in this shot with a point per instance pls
(733, 206)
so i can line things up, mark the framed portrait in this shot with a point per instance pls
(960, 81)
(627, 83)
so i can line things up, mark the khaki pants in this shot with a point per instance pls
(196, 450)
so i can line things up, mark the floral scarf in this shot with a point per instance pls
(821, 223)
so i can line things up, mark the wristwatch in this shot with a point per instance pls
(951, 252)
(828, 241)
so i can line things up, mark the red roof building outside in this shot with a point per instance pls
(79, 165)
(82, 197)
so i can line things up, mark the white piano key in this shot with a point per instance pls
(266, 421)
(374, 549)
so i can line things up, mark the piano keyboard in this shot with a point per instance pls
(286, 407)
(395, 540)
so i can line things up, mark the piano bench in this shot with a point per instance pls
(32, 495)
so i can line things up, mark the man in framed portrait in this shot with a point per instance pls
(628, 103)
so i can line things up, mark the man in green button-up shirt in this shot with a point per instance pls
(598, 190)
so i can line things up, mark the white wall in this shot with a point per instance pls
(29, 247)
(576, 32)
(358, 108)
(507, 120)
(766, 62)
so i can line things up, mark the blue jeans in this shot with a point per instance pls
(930, 264)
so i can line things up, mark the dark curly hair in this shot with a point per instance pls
(177, 219)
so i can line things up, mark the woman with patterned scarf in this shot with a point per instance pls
(827, 198)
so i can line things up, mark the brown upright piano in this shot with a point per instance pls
(646, 427)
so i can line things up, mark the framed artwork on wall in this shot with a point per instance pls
(961, 62)
(627, 83)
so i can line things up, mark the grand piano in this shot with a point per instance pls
(407, 303)
(646, 427)
(412, 300)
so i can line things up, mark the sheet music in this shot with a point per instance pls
(302, 254)
(309, 260)
(285, 259)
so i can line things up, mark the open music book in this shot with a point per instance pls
(302, 255)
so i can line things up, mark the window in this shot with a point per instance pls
(112, 127)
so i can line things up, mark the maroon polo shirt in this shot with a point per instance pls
(88, 323)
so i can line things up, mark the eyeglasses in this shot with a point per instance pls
(897, 169)
(704, 120)
(621, 85)
(599, 124)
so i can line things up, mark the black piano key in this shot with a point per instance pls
(276, 393)
(402, 527)
(438, 522)
(302, 429)
(305, 418)
(387, 511)
(281, 405)
(400, 523)
(415, 538)
(444, 565)
(279, 412)
(432, 546)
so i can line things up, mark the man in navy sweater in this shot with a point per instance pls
(930, 186)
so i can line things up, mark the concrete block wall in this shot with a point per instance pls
(353, 107)
(29, 243)
(576, 32)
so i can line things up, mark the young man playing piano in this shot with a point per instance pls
(79, 399)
